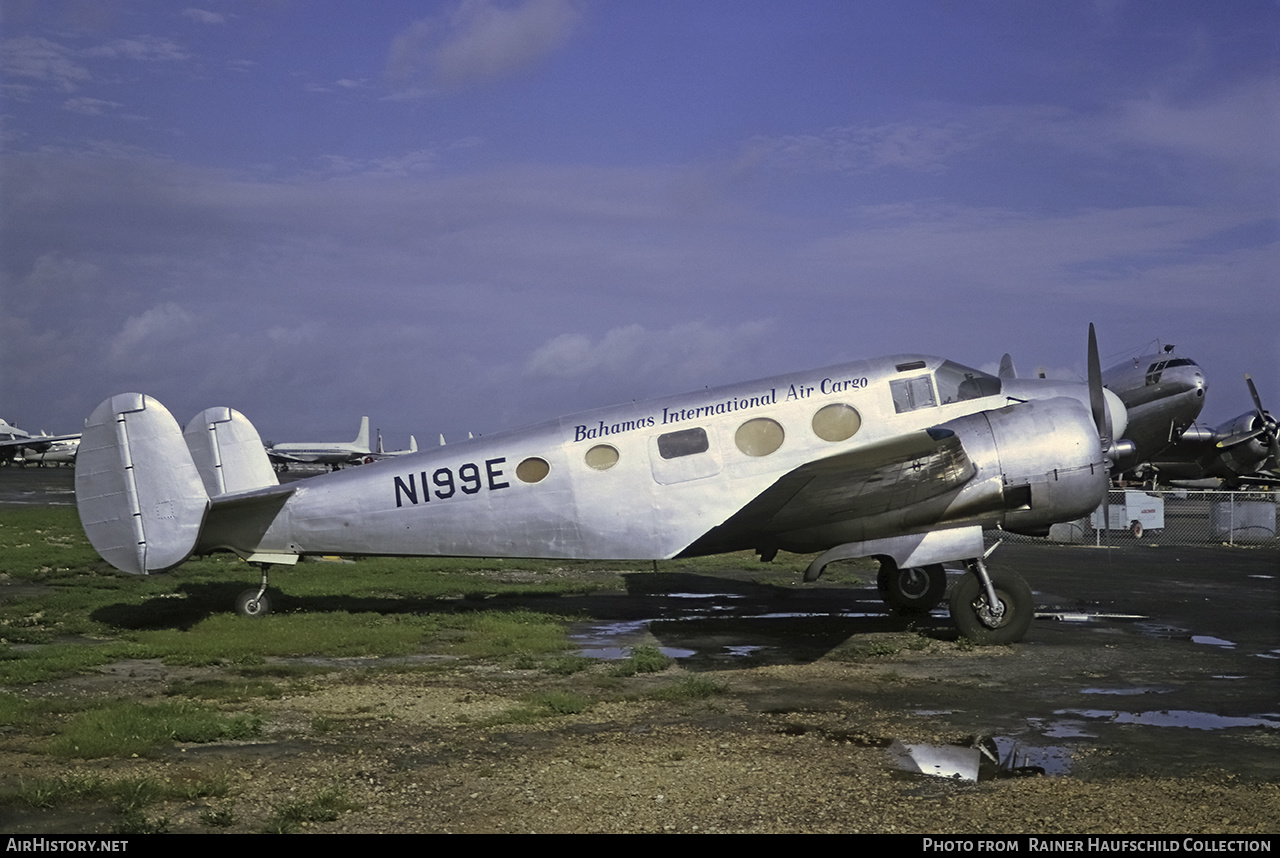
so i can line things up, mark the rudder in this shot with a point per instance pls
(228, 453)
(141, 500)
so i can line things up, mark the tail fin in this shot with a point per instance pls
(141, 499)
(228, 453)
(1007, 369)
(362, 440)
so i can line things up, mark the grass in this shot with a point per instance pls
(378, 607)
(68, 614)
(79, 614)
(126, 728)
(643, 659)
(692, 688)
(125, 793)
(543, 704)
(325, 805)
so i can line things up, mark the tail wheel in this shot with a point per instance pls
(977, 620)
(250, 604)
(916, 589)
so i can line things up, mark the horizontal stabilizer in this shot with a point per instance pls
(228, 452)
(141, 500)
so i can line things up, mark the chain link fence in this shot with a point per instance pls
(1174, 517)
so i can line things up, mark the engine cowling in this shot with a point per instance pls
(1047, 457)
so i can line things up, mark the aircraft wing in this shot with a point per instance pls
(35, 442)
(880, 477)
(289, 457)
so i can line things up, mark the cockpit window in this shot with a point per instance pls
(912, 393)
(1153, 371)
(957, 383)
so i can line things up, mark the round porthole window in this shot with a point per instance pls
(602, 457)
(837, 422)
(533, 470)
(759, 437)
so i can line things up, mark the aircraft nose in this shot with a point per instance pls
(1118, 413)
(1187, 378)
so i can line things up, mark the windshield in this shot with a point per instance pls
(956, 383)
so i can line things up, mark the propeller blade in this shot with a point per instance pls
(1235, 440)
(1101, 419)
(1097, 402)
(1269, 425)
(1257, 400)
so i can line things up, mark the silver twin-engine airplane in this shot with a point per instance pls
(904, 458)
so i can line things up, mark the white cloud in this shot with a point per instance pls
(201, 16)
(140, 48)
(692, 352)
(161, 326)
(43, 60)
(1137, 254)
(922, 146)
(89, 106)
(1238, 124)
(481, 41)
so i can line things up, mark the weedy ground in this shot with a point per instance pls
(445, 695)
(100, 670)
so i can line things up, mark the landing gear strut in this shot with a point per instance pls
(915, 590)
(254, 602)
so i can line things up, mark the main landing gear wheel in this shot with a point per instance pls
(250, 604)
(914, 590)
(974, 617)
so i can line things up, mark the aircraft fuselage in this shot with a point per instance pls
(1162, 394)
(650, 479)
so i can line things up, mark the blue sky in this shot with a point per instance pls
(467, 216)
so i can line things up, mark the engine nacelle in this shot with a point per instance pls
(1047, 456)
(1240, 459)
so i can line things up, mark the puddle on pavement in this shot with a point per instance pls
(614, 641)
(983, 759)
(996, 757)
(1084, 616)
(1175, 718)
(1212, 641)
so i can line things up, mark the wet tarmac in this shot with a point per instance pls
(40, 486)
(1164, 660)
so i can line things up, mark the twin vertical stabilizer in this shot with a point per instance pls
(143, 488)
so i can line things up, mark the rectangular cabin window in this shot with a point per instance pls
(686, 442)
(912, 393)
